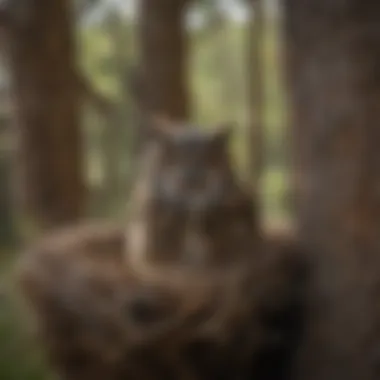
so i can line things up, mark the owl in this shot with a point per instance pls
(193, 208)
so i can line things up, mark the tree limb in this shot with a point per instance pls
(99, 101)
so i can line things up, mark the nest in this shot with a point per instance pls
(100, 318)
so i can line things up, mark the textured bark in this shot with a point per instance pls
(41, 48)
(334, 67)
(163, 66)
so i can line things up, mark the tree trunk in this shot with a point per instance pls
(163, 70)
(334, 67)
(7, 221)
(255, 93)
(41, 47)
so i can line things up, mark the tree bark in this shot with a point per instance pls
(255, 93)
(7, 221)
(41, 49)
(334, 67)
(163, 65)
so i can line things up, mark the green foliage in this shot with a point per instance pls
(96, 60)
(106, 55)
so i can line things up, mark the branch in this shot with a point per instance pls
(99, 101)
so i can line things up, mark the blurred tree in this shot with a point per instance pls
(107, 50)
(223, 64)
(255, 92)
(7, 220)
(117, 136)
(163, 52)
(334, 63)
(42, 64)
